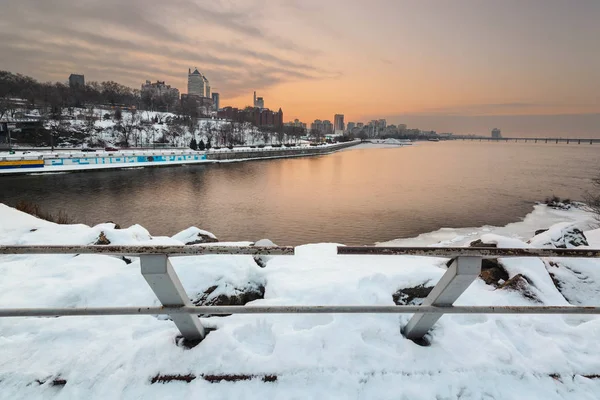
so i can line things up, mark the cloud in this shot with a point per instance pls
(137, 40)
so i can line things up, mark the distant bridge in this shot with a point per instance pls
(532, 140)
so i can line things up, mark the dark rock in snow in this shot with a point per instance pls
(102, 240)
(574, 237)
(117, 226)
(480, 243)
(411, 296)
(232, 297)
(494, 276)
(520, 283)
(560, 238)
(263, 260)
(193, 235)
(202, 238)
(539, 231)
(492, 272)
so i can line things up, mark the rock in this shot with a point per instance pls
(561, 236)
(479, 243)
(262, 260)
(539, 231)
(102, 240)
(232, 297)
(193, 235)
(202, 238)
(494, 276)
(492, 272)
(559, 205)
(520, 283)
(413, 296)
(117, 226)
(574, 238)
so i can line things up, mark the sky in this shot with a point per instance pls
(528, 67)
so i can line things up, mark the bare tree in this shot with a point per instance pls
(130, 128)
(56, 125)
(316, 134)
(592, 199)
(90, 122)
(280, 134)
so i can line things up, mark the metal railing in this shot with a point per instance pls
(161, 277)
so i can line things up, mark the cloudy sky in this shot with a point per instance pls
(448, 65)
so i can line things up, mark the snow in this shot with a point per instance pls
(542, 217)
(313, 356)
(190, 234)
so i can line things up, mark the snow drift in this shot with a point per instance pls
(295, 356)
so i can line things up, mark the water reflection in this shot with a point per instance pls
(357, 196)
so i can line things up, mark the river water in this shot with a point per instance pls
(361, 195)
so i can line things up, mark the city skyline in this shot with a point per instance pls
(463, 66)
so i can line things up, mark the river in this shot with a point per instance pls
(360, 195)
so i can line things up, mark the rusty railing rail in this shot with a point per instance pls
(161, 277)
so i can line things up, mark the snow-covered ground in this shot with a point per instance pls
(311, 356)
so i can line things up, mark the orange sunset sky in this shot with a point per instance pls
(532, 67)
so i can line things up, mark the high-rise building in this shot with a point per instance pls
(360, 125)
(76, 80)
(259, 102)
(215, 99)
(206, 87)
(350, 126)
(198, 84)
(327, 127)
(317, 125)
(338, 124)
(496, 134)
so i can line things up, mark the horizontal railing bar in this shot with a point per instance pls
(485, 252)
(137, 250)
(347, 309)
(181, 250)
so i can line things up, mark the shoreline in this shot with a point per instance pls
(85, 162)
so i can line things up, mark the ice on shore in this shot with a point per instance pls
(313, 356)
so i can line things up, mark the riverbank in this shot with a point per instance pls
(32, 162)
(283, 356)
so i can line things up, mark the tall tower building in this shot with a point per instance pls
(258, 102)
(206, 86)
(215, 99)
(338, 123)
(196, 83)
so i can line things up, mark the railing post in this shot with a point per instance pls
(459, 276)
(164, 282)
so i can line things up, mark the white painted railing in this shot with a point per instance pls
(161, 277)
